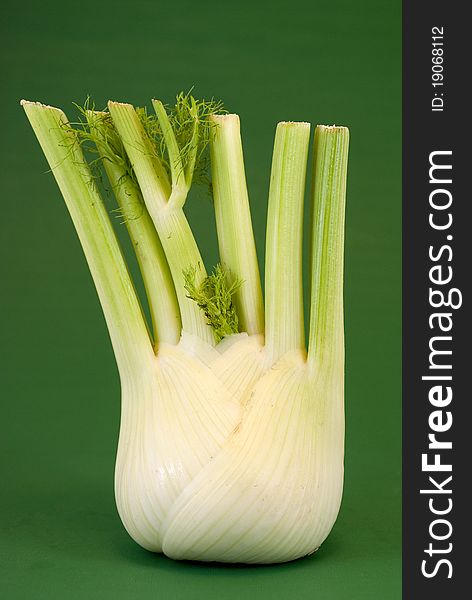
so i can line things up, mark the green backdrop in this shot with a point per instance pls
(324, 62)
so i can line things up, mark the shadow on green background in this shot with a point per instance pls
(324, 62)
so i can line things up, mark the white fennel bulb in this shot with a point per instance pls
(231, 443)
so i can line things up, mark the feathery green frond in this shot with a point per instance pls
(97, 134)
(215, 298)
(191, 125)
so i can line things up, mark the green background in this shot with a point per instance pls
(324, 62)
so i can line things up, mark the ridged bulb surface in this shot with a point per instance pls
(225, 457)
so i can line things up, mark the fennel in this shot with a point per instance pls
(232, 433)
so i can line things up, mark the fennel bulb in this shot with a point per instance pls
(232, 433)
